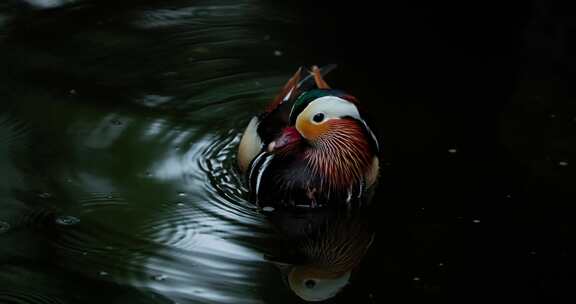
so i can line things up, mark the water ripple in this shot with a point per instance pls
(12, 130)
(27, 297)
(225, 186)
(102, 199)
(176, 228)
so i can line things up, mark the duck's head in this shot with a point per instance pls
(337, 141)
(316, 284)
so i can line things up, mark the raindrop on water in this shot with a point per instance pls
(268, 209)
(563, 163)
(476, 221)
(159, 277)
(416, 279)
(67, 220)
(180, 204)
(278, 53)
(103, 273)
(4, 227)
(73, 92)
(452, 151)
(45, 195)
(182, 194)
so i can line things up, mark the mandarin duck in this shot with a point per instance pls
(311, 147)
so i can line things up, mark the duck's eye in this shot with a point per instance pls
(318, 118)
(310, 284)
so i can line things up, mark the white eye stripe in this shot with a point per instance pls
(331, 107)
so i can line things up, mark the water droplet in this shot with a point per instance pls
(116, 122)
(4, 227)
(416, 279)
(73, 92)
(508, 195)
(563, 163)
(476, 221)
(103, 273)
(67, 220)
(278, 53)
(180, 204)
(268, 209)
(159, 277)
(440, 264)
(182, 194)
(45, 195)
(452, 151)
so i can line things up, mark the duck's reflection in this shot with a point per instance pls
(323, 248)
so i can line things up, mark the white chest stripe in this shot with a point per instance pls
(253, 167)
(261, 170)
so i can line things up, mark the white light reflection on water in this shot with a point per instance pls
(174, 165)
(45, 4)
(196, 14)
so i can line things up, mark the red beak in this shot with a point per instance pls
(288, 137)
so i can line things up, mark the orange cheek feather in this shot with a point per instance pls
(311, 131)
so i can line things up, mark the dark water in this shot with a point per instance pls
(120, 122)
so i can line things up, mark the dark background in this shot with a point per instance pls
(495, 81)
(476, 109)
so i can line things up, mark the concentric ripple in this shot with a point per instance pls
(176, 228)
(102, 200)
(224, 181)
(26, 297)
